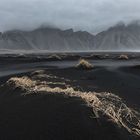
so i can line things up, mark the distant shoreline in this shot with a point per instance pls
(68, 52)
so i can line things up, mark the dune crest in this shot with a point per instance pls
(102, 104)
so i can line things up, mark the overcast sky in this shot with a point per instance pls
(89, 15)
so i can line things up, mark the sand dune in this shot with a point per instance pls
(106, 108)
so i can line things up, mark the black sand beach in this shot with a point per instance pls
(56, 116)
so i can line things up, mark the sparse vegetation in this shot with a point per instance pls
(55, 57)
(24, 83)
(102, 103)
(84, 64)
(123, 57)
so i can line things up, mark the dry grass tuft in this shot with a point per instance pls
(55, 57)
(102, 103)
(123, 57)
(23, 83)
(84, 64)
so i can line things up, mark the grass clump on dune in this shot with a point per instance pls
(55, 57)
(84, 64)
(24, 83)
(102, 103)
(123, 57)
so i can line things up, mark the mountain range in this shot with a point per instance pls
(119, 37)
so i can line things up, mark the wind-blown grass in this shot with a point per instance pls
(101, 103)
(84, 64)
(55, 57)
(123, 57)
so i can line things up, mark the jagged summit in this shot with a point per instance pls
(118, 37)
(51, 39)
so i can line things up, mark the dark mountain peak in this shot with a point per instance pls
(118, 37)
(68, 32)
(118, 26)
(84, 33)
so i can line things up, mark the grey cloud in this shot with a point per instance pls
(90, 15)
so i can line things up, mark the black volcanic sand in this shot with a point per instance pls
(58, 117)
(52, 117)
(123, 81)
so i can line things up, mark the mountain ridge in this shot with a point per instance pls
(118, 37)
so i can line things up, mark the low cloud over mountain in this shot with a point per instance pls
(119, 37)
(90, 15)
